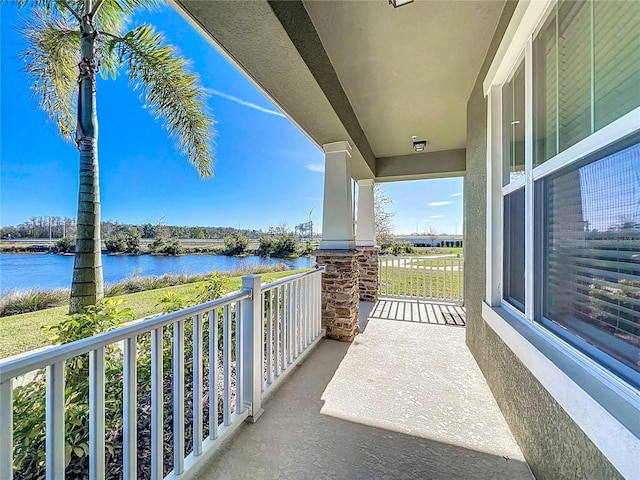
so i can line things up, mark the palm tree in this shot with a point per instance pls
(68, 43)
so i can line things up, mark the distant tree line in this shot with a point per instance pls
(40, 227)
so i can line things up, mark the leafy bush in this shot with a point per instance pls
(285, 244)
(235, 243)
(123, 239)
(32, 300)
(265, 247)
(29, 400)
(66, 245)
(398, 248)
(166, 247)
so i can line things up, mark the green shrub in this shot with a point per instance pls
(66, 245)
(123, 239)
(265, 246)
(32, 300)
(29, 400)
(398, 248)
(235, 243)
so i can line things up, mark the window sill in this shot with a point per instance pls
(607, 410)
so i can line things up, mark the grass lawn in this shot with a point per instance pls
(21, 333)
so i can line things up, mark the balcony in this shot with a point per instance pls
(404, 400)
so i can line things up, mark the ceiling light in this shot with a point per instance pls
(420, 145)
(399, 3)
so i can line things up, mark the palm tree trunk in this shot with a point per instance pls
(87, 286)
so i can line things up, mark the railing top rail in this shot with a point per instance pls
(265, 287)
(34, 361)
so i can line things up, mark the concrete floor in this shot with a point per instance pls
(404, 401)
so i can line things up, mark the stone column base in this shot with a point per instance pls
(339, 293)
(368, 271)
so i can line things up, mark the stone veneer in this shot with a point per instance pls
(339, 293)
(368, 271)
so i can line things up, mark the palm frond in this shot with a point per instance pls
(170, 91)
(112, 15)
(50, 63)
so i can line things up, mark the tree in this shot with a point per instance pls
(382, 217)
(432, 233)
(123, 239)
(68, 43)
(235, 243)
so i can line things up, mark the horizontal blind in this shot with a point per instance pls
(592, 254)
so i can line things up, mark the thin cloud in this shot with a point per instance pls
(316, 167)
(456, 194)
(439, 204)
(245, 103)
(436, 216)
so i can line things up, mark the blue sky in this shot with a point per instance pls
(267, 172)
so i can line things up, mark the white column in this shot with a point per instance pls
(337, 214)
(366, 224)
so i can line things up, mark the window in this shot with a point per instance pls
(590, 250)
(580, 232)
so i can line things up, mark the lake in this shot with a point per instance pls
(46, 272)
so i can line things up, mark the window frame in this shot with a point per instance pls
(606, 401)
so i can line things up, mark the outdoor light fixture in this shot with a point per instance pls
(420, 145)
(399, 3)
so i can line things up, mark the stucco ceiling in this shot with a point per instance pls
(361, 70)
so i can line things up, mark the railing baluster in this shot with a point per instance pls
(410, 263)
(157, 404)
(303, 323)
(309, 309)
(406, 280)
(239, 357)
(276, 353)
(213, 374)
(285, 327)
(424, 278)
(55, 441)
(178, 396)
(270, 340)
(430, 278)
(296, 290)
(96, 413)
(6, 429)
(290, 321)
(316, 309)
(459, 279)
(129, 411)
(198, 421)
(226, 367)
(451, 291)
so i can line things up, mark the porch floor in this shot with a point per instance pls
(405, 400)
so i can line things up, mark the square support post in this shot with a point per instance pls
(340, 296)
(252, 346)
(368, 273)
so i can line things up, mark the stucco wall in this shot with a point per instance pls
(554, 446)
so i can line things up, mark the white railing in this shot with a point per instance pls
(422, 277)
(228, 375)
(292, 319)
